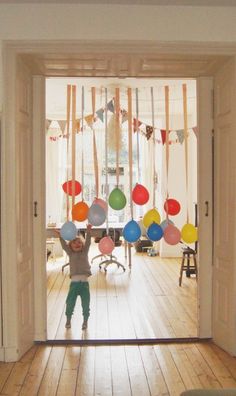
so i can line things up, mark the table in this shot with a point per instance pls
(96, 231)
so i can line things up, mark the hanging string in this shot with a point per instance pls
(117, 132)
(184, 86)
(82, 145)
(95, 157)
(137, 133)
(67, 148)
(129, 94)
(154, 150)
(73, 142)
(106, 157)
(167, 113)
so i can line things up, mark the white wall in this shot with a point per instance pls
(115, 22)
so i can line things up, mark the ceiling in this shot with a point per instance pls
(212, 3)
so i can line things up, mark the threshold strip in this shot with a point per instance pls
(140, 341)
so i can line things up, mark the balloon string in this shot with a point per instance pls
(67, 148)
(186, 142)
(106, 158)
(117, 132)
(95, 157)
(73, 153)
(137, 132)
(167, 142)
(154, 149)
(129, 93)
(82, 145)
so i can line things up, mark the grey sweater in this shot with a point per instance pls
(79, 263)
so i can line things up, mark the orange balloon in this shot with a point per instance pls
(80, 211)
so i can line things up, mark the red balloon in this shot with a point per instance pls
(172, 207)
(140, 194)
(80, 211)
(68, 187)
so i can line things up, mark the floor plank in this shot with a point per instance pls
(144, 370)
(144, 302)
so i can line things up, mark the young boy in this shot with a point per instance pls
(77, 250)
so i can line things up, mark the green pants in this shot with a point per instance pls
(78, 289)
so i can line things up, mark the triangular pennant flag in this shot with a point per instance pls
(124, 115)
(110, 106)
(163, 135)
(62, 125)
(77, 125)
(195, 130)
(149, 131)
(47, 124)
(180, 134)
(137, 124)
(89, 119)
(100, 114)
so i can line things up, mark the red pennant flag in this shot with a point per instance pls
(136, 124)
(163, 136)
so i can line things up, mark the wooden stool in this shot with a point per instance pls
(189, 267)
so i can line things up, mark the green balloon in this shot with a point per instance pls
(117, 199)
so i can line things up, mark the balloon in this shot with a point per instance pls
(140, 194)
(172, 207)
(152, 216)
(172, 235)
(80, 211)
(155, 232)
(189, 233)
(117, 199)
(101, 202)
(165, 223)
(96, 215)
(68, 187)
(68, 231)
(106, 245)
(131, 231)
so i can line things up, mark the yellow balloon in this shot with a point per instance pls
(189, 233)
(152, 216)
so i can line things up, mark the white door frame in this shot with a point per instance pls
(8, 193)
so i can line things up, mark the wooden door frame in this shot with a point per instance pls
(10, 52)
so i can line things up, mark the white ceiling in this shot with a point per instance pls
(212, 3)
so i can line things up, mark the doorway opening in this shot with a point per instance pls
(145, 301)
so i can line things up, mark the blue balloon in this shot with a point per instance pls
(155, 232)
(165, 223)
(131, 231)
(68, 231)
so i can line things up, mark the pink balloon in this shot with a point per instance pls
(172, 235)
(101, 202)
(106, 245)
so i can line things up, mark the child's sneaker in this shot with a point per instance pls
(68, 324)
(84, 325)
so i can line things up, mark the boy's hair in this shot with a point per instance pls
(79, 236)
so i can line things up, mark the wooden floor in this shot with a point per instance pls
(118, 370)
(145, 302)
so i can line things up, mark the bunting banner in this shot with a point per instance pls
(138, 126)
(149, 131)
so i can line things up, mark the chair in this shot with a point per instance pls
(115, 236)
(187, 265)
(50, 248)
